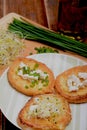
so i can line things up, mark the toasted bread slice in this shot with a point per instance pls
(45, 112)
(72, 84)
(30, 77)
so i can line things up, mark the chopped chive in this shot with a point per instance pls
(33, 83)
(26, 86)
(30, 53)
(39, 88)
(36, 66)
(26, 70)
(45, 50)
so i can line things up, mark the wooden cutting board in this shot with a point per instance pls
(29, 45)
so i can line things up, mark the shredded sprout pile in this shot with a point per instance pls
(10, 47)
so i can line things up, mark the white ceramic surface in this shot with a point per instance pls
(12, 101)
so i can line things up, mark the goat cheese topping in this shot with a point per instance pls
(22, 65)
(82, 75)
(26, 73)
(76, 82)
(34, 75)
(45, 107)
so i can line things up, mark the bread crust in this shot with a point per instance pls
(79, 96)
(57, 122)
(19, 83)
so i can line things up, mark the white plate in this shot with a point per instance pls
(12, 101)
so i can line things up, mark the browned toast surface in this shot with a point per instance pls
(47, 111)
(30, 77)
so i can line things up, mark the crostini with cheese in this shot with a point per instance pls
(45, 112)
(72, 84)
(30, 77)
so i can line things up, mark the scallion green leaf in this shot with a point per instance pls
(36, 33)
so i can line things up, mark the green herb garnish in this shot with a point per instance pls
(46, 82)
(45, 50)
(36, 66)
(33, 83)
(26, 86)
(26, 70)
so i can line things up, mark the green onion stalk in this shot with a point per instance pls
(49, 37)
